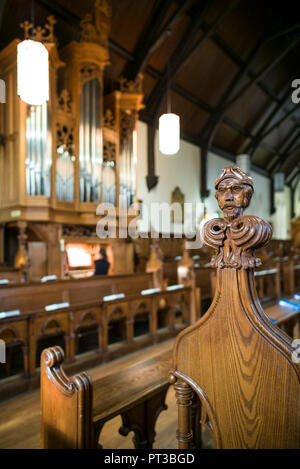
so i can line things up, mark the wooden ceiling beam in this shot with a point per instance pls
(221, 43)
(153, 36)
(219, 112)
(58, 10)
(2, 8)
(209, 130)
(252, 146)
(69, 17)
(285, 160)
(280, 121)
(181, 54)
(286, 154)
(287, 139)
(296, 147)
(177, 61)
(209, 32)
(292, 142)
(167, 77)
(293, 191)
(296, 177)
(155, 99)
(203, 106)
(262, 73)
(294, 173)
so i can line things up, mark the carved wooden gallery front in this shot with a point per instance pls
(60, 160)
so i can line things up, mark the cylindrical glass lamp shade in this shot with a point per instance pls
(169, 134)
(279, 181)
(33, 72)
(2, 91)
(244, 163)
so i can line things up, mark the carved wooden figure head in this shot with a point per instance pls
(234, 190)
(236, 236)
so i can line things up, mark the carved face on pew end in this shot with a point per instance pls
(234, 190)
(235, 237)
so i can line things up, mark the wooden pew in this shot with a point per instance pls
(291, 276)
(75, 409)
(297, 275)
(26, 331)
(11, 275)
(235, 361)
(286, 318)
(268, 282)
(34, 296)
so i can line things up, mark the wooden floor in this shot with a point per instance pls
(20, 416)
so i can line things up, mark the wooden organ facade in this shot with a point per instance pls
(59, 161)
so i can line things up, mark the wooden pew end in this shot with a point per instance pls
(74, 395)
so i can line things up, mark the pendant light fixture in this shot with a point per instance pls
(33, 71)
(169, 129)
(243, 161)
(169, 134)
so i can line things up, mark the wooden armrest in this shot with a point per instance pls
(66, 404)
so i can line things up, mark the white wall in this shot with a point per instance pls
(260, 203)
(183, 170)
(297, 201)
(282, 217)
(180, 170)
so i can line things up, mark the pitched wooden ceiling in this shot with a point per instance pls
(228, 64)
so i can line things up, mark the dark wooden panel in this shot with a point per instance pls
(207, 73)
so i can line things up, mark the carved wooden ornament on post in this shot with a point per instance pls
(234, 359)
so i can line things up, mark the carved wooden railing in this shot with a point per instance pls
(235, 359)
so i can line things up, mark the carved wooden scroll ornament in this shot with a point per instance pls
(236, 236)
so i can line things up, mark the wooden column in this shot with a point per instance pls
(184, 398)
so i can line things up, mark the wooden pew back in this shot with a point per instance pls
(74, 410)
(157, 312)
(238, 363)
(35, 296)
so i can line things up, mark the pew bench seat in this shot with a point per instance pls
(146, 385)
(284, 317)
(137, 393)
